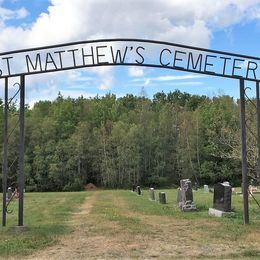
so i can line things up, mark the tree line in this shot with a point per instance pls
(116, 142)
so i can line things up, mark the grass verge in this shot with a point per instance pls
(45, 216)
(121, 224)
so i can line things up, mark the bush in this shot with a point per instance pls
(156, 181)
(75, 186)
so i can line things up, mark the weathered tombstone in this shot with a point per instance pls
(186, 188)
(226, 182)
(9, 193)
(162, 197)
(221, 200)
(185, 196)
(151, 194)
(206, 188)
(179, 196)
(138, 188)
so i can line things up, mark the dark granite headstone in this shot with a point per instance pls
(138, 188)
(222, 197)
(162, 197)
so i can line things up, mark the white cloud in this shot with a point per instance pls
(7, 14)
(190, 22)
(135, 72)
(171, 78)
(147, 82)
(175, 80)
(106, 82)
(182, 21)
(103, 19)
(76, 75)
(188, 83)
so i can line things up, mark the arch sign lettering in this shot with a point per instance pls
(129, 52)
(123, 52)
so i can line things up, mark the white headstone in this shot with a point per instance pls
(152, 194)
(206, 188)
(226, 183)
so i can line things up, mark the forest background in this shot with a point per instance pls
(117, 142)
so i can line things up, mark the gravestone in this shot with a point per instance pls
(222, 197)
(162, 197)
(206, 188)
(186, 187)
(185, 196)
(226, 183)
(139, 192)
(9, 193)
(179, 196)
(151, 194)
(221, 200)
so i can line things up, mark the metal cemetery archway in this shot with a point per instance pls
(124, 52)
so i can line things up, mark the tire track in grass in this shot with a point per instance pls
(107, 227)
(70, 245)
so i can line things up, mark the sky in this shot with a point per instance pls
(226, 25)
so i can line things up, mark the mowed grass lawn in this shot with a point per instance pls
(123, 224)
(45, 216)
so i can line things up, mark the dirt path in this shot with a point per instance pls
(75, 244)
(105, 228)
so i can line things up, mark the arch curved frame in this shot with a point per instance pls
(129, 52)
(124, 52)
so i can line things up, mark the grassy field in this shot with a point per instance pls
(45, 216)
(117, 224)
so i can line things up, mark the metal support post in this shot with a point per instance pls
(258, 129)
(244, 151)
(5, 151)
(21, 152)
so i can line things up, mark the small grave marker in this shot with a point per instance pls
(162, 197)
(151, 194)
(9, 193)
(206, 188)
(139, 192)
